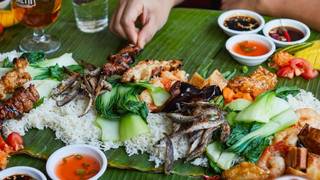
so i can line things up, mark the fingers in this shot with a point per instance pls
(130, 16)
(147, 32)
(115, 25)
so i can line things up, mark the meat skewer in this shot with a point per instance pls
(22, 101)
(119, 63)
(14, 78)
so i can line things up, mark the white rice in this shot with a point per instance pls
(304, 100)
(72, 129)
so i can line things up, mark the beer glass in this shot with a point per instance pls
(37, 14)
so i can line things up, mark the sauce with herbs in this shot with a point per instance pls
(19, 177)
(286, 33)
(251, 48)
(77, 167)
(241, 23)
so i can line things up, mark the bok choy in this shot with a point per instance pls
(40, 69)
(265, 107)
(122, 99)
(158, 94)
(258, 136)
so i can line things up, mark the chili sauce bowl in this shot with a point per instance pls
(58, 156)
(286, 23)
(250, 60)
(22, 170)
(240, 12)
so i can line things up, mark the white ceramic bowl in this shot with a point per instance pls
(250, 60)
(4, 4)
(35, 173)
(286, 22)
(240, 12)
(290, 178)
(57, 156)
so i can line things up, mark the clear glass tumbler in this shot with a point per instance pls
(91, 15)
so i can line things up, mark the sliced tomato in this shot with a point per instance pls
(310, 74)
(215, 177)
(15, 141)
(3, 144)
(303, 68)
(286, 72)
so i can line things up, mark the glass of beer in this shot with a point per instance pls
(37, 14)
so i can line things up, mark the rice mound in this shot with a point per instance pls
(72, 129)
(304, 99)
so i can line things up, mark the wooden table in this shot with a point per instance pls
(190, 34)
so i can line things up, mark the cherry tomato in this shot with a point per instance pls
(286, 71)
(1, 29)
(15, 141)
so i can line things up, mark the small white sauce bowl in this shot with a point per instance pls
(4, 4)
(286, 22)
(290, 178)
(250, 60)
(240, 12)
(35, 173)
(58, 155)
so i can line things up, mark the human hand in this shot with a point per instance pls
(239, 4)
(151, 14)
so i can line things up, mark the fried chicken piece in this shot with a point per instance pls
(119, 63)
(245, 170)
(261, 80)
(22, 101)
(15, 78)
(148, 69)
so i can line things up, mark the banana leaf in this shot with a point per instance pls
(41, 143)
(190, 34)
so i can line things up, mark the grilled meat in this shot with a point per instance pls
(148, 69)
(14, 78)
(119, 63)
(261, 80)
(22, 101)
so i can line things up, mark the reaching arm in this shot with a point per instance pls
(151, 14)
(307, 11)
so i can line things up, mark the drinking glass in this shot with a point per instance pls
(91, 15)
(37, 14)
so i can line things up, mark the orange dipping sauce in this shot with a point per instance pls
(251, 48)
(77, 167)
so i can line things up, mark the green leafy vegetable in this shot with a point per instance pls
(238, 104)
(122, 99)
(276, 124)
(6, 63)
(38, 103)
(33, 57)
(253, 150)
(257, 111)
(109, 129)
(284, 91)
(215, 167)
(132, 125)
(219, 157)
